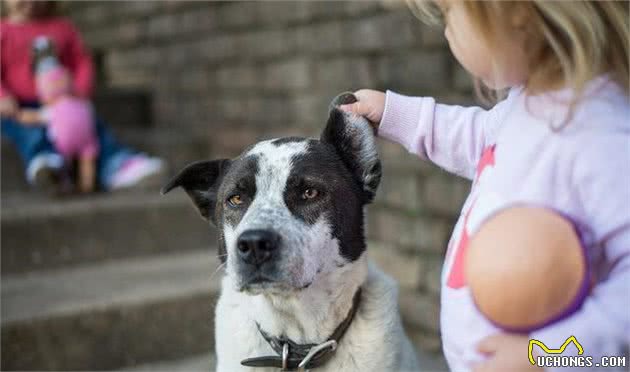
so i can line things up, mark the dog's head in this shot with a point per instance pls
(289, 209)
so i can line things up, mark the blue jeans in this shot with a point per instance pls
(31, 141)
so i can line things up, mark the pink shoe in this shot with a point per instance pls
(139, 172)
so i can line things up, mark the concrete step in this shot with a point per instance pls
(44, 233)
(199, 363)
(111, 315)
(175, 147)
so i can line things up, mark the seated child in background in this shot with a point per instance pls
(542, 247)
(70, 120)
(117, 166)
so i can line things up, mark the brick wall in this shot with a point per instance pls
(237, 72)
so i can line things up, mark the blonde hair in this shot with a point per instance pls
(571, 42)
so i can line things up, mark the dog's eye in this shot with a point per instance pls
(310, 193)
(235, 200)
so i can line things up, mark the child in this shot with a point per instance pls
(546, 225)
(117, 167)
(70, 119)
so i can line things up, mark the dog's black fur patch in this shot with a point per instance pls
(348, 145)
(201, 181)
(339, 198)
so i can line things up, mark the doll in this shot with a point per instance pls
(70, 119)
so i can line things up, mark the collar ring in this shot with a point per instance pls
(285, 357)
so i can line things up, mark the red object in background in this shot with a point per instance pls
(16, 40)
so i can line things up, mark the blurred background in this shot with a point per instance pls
(127, 280)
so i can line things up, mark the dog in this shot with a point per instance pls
(299, 291)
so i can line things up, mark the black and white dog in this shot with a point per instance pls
(299, 292)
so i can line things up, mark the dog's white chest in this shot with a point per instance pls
(374, 341)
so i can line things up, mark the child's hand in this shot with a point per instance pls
(506, 352)
(370, 105)
(8, 106)
(29, 117)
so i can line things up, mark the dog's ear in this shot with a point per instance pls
(354, 140)
(201, 182)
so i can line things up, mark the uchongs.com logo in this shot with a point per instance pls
(555, 359)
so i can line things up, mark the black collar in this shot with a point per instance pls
(292, 356)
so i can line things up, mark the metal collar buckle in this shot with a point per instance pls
(332, 344)
(285, 357)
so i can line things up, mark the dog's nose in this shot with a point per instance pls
(257, 246)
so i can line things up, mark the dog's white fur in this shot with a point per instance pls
(375, 340)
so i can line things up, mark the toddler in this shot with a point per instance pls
(542, 246)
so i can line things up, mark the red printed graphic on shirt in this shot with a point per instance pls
(456, 278)
(487, 160)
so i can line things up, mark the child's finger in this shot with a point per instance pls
(352, 107)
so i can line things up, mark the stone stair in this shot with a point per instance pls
(112, 314)
(39, 233)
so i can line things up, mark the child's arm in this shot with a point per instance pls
(451, 136)
(31, 117)
(8, 105)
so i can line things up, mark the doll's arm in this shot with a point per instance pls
(87, 173)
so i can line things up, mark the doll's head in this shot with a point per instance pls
(43, 54)
(526, 268)
(51, 78)
(52, 83)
